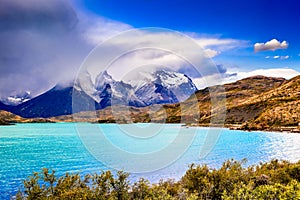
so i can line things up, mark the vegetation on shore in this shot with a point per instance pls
(272, 180)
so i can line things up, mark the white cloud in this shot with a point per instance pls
(104, 29)
(215, 45)
(286, 73)
(211, 53)
(99, 29)
(225, 43)
(144, 48)
(270, 45)
(278, 57)
(206, 81)
(161, 47)
(52, 48)
(233, 76)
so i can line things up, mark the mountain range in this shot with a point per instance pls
(159, 87)
(254, 103)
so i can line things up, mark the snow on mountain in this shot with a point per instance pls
(17, 99)
(171, 79)
(112, 92)
(146, 88)
(152, 93)
(179, 85)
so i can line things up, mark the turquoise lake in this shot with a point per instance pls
(25, 148)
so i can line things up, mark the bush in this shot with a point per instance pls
(272, 180)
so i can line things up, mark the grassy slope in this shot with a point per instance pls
(239, 107)
(7, 118)
(282, 106)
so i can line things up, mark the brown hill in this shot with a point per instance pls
(236, 94)
(8, 118)
(258, 103)
(281, 106)
(231, 96)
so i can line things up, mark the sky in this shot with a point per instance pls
(44, 43)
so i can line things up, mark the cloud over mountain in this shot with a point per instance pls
(45, 42)
(40, 45)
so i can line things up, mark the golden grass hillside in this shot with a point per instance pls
(256, 102)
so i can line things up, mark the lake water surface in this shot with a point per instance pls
(25, 148)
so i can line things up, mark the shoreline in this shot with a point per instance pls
(235, 127)
(286, 129)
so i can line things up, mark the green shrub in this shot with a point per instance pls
(272, 180)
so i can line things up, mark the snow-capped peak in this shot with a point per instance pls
(171, 79)
(180, 84)
(103, 79)
(17, 98)
(144, 89)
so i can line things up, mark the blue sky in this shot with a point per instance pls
(45, 42)
(253, 21)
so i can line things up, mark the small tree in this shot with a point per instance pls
(141, 190)
(121, 186)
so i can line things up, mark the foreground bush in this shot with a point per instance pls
(273, 180)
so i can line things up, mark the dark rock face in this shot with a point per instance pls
(52, 103)
(5, 107)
